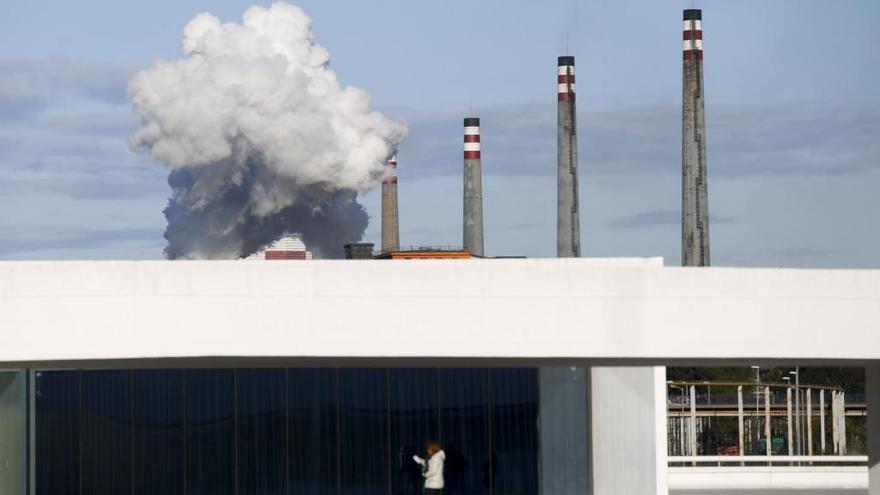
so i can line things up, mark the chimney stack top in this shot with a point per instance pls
(693, 15)
(566, 60)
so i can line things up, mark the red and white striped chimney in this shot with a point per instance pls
(565, 79)
(693, 34)
(471, 138)
(694, 181)
(472, 231)
(568, 233)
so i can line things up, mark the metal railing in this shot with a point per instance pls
(801, 406)
(787, 460)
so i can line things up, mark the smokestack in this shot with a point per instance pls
(568, 231)
(390, 224)
(473, 188)
(694, 190)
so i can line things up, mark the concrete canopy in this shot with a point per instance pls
(586, 311)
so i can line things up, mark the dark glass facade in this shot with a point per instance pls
(297, 431)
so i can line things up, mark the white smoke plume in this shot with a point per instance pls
(260, 137)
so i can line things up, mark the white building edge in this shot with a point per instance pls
(624, 318)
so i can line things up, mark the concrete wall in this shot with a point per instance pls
(762, 480)
(628, 426)
(13, 432)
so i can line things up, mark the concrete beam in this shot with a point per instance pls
(625, 312)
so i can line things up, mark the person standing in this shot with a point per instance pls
(432, 469)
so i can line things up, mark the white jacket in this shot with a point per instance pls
(434, 474)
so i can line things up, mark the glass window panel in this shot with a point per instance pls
(261, 432)
(414, 421)
(312, 406)
(106, 432)
(514, 397)
(210, 439)
(57, 432)
(363, 428)
(158, 432)
(464, 430)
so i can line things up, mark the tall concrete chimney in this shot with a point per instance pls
(568, 230)
(694, 190)
(473, 188)
(390, 221)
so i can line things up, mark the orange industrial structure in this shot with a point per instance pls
(426, 253)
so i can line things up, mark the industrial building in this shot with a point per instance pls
(289, 247)
(537, 376)
(426, 253)
(234, 377)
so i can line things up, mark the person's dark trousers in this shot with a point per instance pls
(433, 491)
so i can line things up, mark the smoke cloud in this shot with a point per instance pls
(260, 137)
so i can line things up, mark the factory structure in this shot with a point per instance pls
(390, 215)
(289, 247)
(568, 231)
(568, 242)
(694, 184)
(694, 177)
(537, 377)
(694, 188)
(472, 228)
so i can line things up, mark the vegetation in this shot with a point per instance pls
(851, 379)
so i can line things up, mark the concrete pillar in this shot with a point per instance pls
(13, 432)
(390, 217)
(694, 189)
(739, 417)
(768, 440)
(472, 222)
(568, 232)
(564, 418)
(628, 418)
(872, 402)
(788, 418)
(822, 421)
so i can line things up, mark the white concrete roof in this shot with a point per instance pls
(612, 310)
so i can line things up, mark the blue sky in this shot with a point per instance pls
(793, 114)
